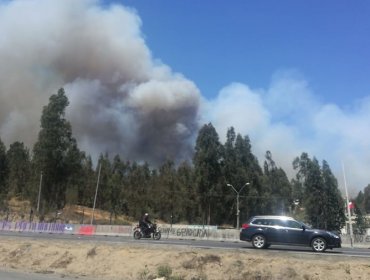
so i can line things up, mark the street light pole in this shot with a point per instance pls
(237, 201)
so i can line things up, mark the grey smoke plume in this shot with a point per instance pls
(122, 101)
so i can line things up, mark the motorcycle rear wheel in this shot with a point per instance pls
(156, 235)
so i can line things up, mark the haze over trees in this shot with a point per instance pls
(196, 192)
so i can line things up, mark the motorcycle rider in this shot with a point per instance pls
(145, 224)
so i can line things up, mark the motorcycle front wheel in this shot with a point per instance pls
(137, 234)
(156, 235)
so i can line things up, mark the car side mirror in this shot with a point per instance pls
(303, 227)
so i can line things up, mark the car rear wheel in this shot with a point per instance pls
(318, 244)
(259, 241)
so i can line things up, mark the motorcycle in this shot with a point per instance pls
(152, 231)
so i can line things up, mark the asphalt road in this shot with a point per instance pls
(4, 275)
(14, 275)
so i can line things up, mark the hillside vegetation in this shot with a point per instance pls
(19, 210)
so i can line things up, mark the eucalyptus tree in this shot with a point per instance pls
(334, 205)
(314, 195)
(189, 203)
(242, 174)
(116, 186)
(139, 184)
(252, 201)
(277, 187)
(207, 164)
(359, 201)
(324, 206)
(18, 158)
(87, 182)
(3, 171)
(103, 190)
(231, 176)
(55, 153)
(361, 222)
(366, 200)
(167, 193)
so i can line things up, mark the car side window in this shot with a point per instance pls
(277, 222)
(293, 224)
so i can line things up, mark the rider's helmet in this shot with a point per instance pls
(146, 214)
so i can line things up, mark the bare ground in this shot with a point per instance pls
(86, 260)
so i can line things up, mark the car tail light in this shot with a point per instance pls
(244, 226)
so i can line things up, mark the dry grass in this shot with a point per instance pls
(91, 253)
(146, 262)
(20, 210)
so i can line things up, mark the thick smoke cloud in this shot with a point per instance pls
(287, 118)
(121, 99)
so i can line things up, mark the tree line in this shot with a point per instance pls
(196, 192)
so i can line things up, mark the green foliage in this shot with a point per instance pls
(164, 271)
(207, 165)
(138, 192)
(366, 200)
(323, 203)
(3, 175)
(187, 193)
(361, 223)
(240, 167)
(55, 153)
(3, 168)
(278, 189)
(359, 201)
(19, 165)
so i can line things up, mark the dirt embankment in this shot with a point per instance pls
(125, 261)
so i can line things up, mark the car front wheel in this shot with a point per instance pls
(318, 244)
(259, 241)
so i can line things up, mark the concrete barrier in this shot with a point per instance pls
(195, 232)
(198, 232)
(113, 230)
(23, 226)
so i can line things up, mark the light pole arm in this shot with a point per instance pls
(233, 188)
(243, 187)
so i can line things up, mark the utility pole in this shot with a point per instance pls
(39, 196)
(237, 201)
(96, 193)
(348, 209)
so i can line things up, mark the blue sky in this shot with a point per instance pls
(215, 43)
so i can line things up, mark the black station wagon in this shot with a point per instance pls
(264, 231)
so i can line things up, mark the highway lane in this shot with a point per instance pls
(208, 244)
(15, 275)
